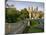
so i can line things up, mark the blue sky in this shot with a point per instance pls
(24, 4)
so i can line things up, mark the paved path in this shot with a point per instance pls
(16, 27)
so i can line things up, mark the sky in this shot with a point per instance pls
(24, 4)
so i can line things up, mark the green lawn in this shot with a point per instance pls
(33, 28)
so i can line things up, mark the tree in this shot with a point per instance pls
(25, 13)
(41, 14)
(11, 14)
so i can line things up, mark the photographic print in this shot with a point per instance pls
(23, 17)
